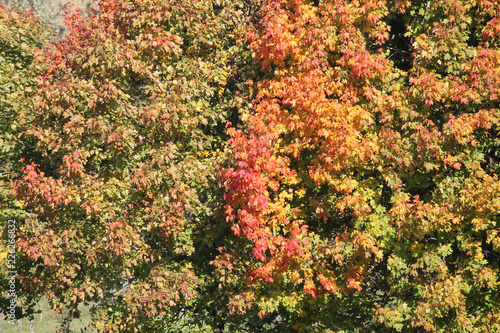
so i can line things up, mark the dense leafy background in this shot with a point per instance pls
(20, 35)
(269, 166)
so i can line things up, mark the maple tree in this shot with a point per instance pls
(359, 187)
(125, 130)
(20, 34)
(367, 180)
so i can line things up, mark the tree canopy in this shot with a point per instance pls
(260, 166)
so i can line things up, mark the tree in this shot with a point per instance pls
(21, 34)
(358, 191)
(126, 124)
(367, 180)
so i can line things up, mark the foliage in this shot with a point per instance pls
(127, 125)
(20, 35)
(367, 180)
(51, 11)
(358, 191)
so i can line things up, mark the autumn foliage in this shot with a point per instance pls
(266, 166)
(369, 163)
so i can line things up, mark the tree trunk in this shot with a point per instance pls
(32, 329)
